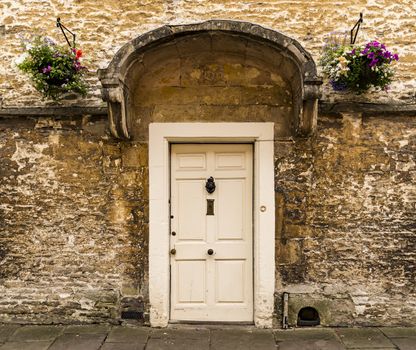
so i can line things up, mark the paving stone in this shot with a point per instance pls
(33, 345)
(405, 343)
(87, 329)
(128, 334)
(78, 342)
(399, 332)
(122, 346)
(6, 331)
(242, 339)
(183, 339)
(196, 333)
(364, 338)
(37, 333)
(177, 343)
(300, 334)
(311, 344)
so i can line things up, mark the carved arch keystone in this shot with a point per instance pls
(115, 78)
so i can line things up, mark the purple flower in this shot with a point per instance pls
(47, 69)
(77, 65)
(387, 54)
(364, 52)
(352, 52)
(371, 55)
(396, 57)
(49, 41)
(338, 85)
(373, 62)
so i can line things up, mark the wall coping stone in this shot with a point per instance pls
(325, 107)
(367, 108)
(61, 111)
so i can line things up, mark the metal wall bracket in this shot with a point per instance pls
(63, 29)
(356, 28)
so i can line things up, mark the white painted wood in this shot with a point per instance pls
(216, 287)
(160, 137)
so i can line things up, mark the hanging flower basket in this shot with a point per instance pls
(54, 70)
(358, 68)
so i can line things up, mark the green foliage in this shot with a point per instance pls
(54, 70)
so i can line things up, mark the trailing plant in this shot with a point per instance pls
(357, 68)
(53, 69)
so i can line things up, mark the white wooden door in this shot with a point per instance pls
(216, 286)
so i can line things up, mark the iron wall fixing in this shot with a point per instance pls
(356, 28)
(63, 29)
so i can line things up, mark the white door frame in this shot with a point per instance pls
(261, 134)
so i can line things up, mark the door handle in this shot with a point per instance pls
(210, 251)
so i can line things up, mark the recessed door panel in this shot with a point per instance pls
(191, 161)
(190, 202)
(231, 209)
(211, 232)
(230, 161)
(191, 278)
(230, 275)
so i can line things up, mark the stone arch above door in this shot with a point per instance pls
(212, 71)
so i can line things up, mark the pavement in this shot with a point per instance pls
(105, 337)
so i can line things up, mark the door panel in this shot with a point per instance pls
(217, 286)
(230, 209)
(230, 282)
(191, 281)
(230, 161)
(191, 203)
(191, 161)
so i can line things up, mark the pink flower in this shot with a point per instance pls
(47, 69)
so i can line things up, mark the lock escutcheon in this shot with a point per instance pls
(210, 251)
(173, 251)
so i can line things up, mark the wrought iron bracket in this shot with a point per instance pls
(63, 29)
(356, 28)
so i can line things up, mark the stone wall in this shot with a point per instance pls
(102, 30)
(74, 201)
(345, 241)
(74, 215)
(73, 222)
